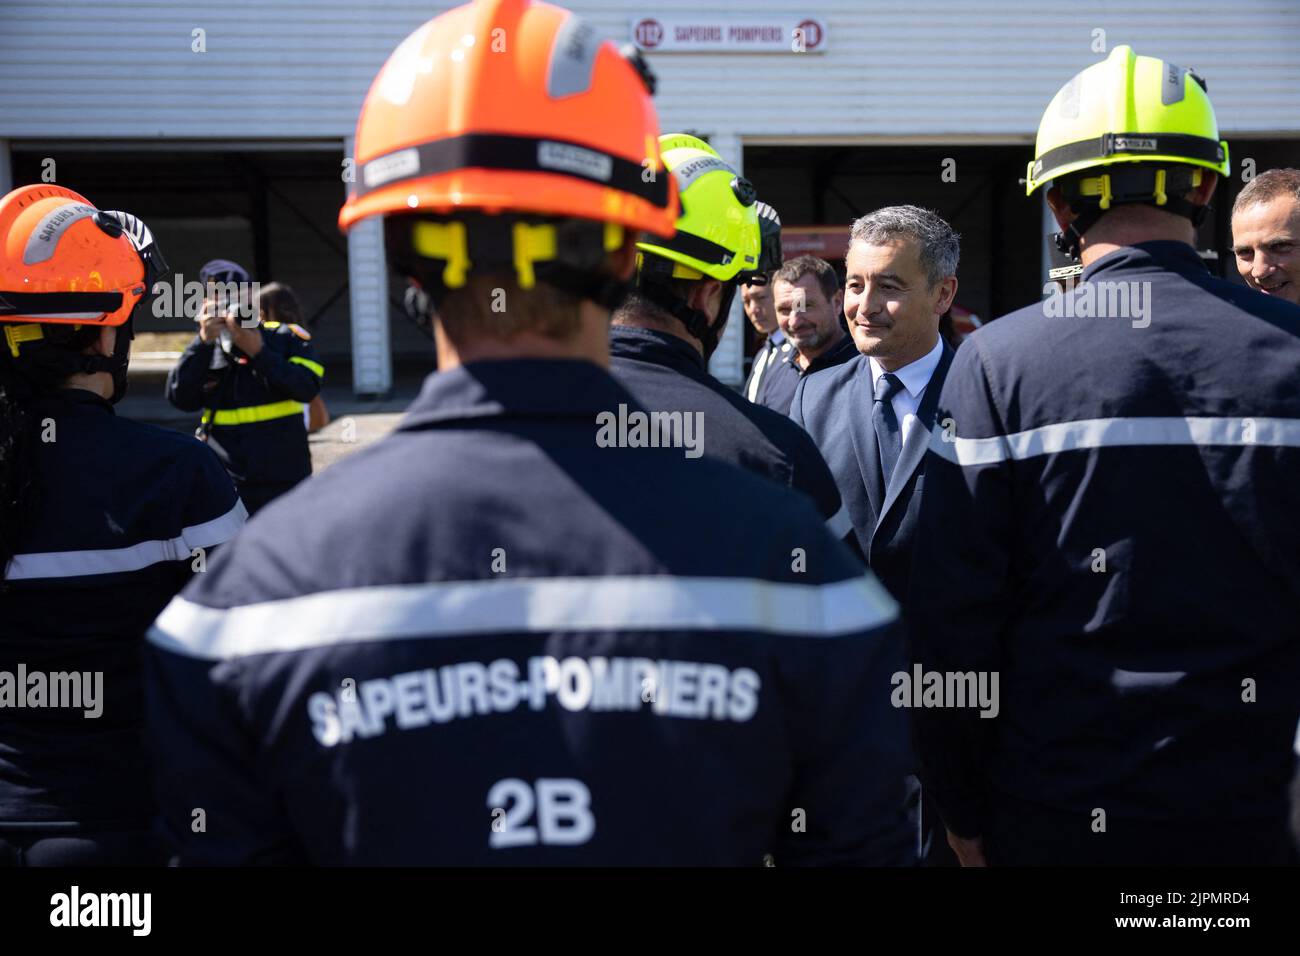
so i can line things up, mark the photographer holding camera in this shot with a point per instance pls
(252, 379)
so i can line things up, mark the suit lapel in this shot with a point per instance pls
(918, 437)
(864, 436)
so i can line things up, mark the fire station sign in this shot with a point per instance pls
(760, 33)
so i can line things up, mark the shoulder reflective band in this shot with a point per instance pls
(1093, 433)
(1131, 144)
(520, 153)
(524, 606)
(57, 303)
(73, 564)
(253, 413)
(308, 363)
(839, 524)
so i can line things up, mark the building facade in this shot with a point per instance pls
(227, 126)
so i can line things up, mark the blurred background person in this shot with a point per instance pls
(1266, 233)
(809, 310)
(102, 521)
(252, 383)
(277, 305)
(756, 296)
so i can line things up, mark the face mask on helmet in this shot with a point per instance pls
(769, 252)
(155, 268)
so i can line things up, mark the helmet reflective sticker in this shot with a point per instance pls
(691, 170)
(1171, 90)
(573, 58)
(45, 237)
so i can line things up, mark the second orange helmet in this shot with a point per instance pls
(62, 262)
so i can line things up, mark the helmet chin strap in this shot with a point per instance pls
(1070, 240)
(707, 330)
(115, 364)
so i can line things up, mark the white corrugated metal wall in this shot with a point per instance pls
(281, 68)
(926, 71)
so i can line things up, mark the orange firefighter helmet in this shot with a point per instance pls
(511, 106)
(63, 261)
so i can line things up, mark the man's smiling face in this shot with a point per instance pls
(1266, 242)
(892, 310)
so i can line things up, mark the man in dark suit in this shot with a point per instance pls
(756, 297)
(872, 416)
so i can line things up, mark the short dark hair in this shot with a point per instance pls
(792, 270)
(279, 303)
(1267, 186)
(638, 310)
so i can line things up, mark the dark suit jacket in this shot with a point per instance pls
(835, 407)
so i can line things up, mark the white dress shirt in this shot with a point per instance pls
(766, 357)
(915, 377)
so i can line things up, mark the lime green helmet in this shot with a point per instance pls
(1116, 130)
(1127, 109)
(718, 232)
(723, 233)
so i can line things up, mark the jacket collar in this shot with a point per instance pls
(659, 348)
(515, 388)
(81, 397)
(841, 353)
(1159, 256)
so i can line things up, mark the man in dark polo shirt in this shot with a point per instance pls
(809, 309)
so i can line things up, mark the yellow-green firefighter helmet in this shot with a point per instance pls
(1127, 109)
(718, 231)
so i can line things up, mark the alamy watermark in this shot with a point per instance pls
(1100, 300)
(946, 689)
(638, 429)
(80, 690)
(176, 298)
(128, 910)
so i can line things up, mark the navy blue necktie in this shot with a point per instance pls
(885, 424)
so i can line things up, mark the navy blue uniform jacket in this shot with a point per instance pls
(122, 508)
(258, 422)
(1113, 525)
(664, 373)
(486, 639)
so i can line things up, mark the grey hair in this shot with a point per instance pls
(940, 246)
